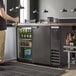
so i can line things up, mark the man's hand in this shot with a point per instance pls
(16, 19)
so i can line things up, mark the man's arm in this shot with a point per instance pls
(4, 15)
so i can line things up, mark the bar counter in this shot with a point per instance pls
(41, 24)
(46, 24)
(47, 42)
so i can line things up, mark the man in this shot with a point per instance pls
(3, 17)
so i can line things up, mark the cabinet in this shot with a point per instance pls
(24, 43)
(10, 44)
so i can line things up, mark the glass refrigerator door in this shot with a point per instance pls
(25, 43)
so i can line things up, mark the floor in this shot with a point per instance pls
(71, 71)
(26, 69)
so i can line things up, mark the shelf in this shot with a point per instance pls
(24, 58)
(26, 46)
(25, 39)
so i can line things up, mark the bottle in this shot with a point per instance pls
(30, 35)
(24, 33)
(71, 39)
(15, 24)
(71, 42)
(27, 33)
(67, 39)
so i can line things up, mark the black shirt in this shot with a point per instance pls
(2, 21)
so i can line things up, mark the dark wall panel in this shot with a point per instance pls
(11, 7)
(34, 5)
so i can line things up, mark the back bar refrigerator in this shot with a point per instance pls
(33, 44)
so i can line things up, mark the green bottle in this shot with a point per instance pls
(71, 42)
(16, 24)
